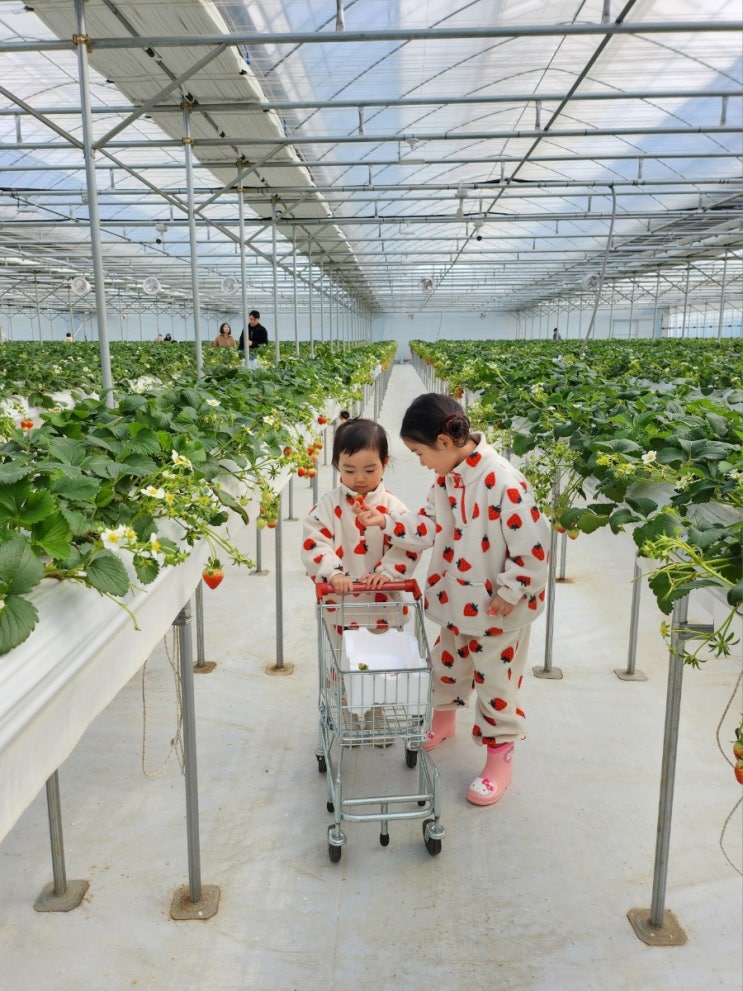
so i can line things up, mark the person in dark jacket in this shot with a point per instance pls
(257, 333)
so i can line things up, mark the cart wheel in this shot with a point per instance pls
(384, 839)
(334, 852)
(321, 765)
(411, 757)
(432, 845)
(330, 807)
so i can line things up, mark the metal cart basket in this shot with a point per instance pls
(375, 689)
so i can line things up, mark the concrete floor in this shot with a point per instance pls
(531, 895)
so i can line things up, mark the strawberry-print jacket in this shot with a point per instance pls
(333, 541)
(487, 536)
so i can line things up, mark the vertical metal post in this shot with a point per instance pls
(722, 296)
(193, 244)
(548, 671)
(195, 901)
(290, 509)
(275, 266)
(655, 305)
(660, 927)
(199, 610)
(630, 674)
(322, 303)
(243, 272)
(294, 272)
(563, 555)
(309, 300)
(60, 895)
(686, 300)
(279, 572)
(86, 120)
(258, 570)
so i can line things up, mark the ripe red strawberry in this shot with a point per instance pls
(448, 554)
(463, 564)
(361, 547)
(493, 631)
(309, 544)
(446, 680)
(739, 771)
(442, 597)
(535, 514)
(498, 704)
(213, 573)
(738, 745)
(475, 647)
(399, 530)
(507, 655)
(493, 512)
(454, 630)
(476, 511)
(514, 495)
(523, 580)
(514, 522)
(490, 480)
(485, 543)
(401, 569)
(479, 678)
(471, 609)
(538, 552)
(446, 659)
(457, 533)
(474, 458)
(433, 578)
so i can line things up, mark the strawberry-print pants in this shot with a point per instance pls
(492, 667)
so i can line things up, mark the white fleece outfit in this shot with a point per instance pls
(335, 543)
(487, 536)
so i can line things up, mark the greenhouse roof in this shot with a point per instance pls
(417, 156)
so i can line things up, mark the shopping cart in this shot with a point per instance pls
(375, 689)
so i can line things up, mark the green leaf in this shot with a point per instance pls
(138, 464)
(147, 569)
(20, 569)
(643, 507)
(14, 471)
(20, 506)
(107, 573)
(81, 489)
(18, 617)
(53, 535)
(619, 519)
(143, 439)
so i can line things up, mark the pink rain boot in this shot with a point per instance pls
(495, 777)
(443, 726)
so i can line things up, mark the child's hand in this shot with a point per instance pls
(374, 579)
(499, 606)
(369, 517)
(341, 584)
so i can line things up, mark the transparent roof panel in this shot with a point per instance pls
(493, 148)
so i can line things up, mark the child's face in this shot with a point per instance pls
(361, 471)
(442, 458)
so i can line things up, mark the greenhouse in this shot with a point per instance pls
(236, 751)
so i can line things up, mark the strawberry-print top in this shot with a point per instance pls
(487, 536)
(334, 542)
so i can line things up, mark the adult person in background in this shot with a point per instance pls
(169, 339)
(224, 338)
(556, 335)
(69, 338)
(257, 333)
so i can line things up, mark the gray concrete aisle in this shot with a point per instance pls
(530, 895)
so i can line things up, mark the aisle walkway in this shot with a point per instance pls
(531, 895)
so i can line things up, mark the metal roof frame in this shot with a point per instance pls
(505, 205)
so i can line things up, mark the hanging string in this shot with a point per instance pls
(176, 743)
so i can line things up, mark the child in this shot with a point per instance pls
(486, 580)
(336, 546)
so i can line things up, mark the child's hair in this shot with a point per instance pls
(433, 414)
(360, 435)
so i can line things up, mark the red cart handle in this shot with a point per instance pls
(409, 585)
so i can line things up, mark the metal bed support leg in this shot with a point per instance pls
(202, 666)
(191, 901)
(630, 674)
(548, 671)
(60, 895)
(659, 926)
(258, 570)
(290, 517)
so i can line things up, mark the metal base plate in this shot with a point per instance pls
(206, 668)
(182, 908)
(49, 901)
(625, 675)
(555, 674)
(669, 934)
(275, 669)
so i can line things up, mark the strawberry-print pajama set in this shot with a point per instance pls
(335, 543)
(487, 536)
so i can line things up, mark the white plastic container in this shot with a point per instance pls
(384, 669)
